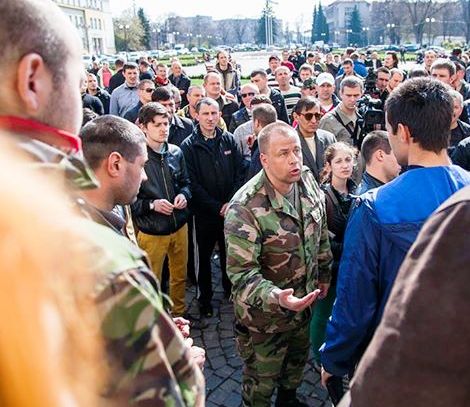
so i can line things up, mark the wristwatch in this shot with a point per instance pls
(152, 206)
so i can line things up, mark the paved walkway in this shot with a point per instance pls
(223, 365)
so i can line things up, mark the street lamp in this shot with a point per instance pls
(198, 36)
(125, 27)
(391, 28)
(348, 35)
(366, 34)
(429, 21)
(156, 33)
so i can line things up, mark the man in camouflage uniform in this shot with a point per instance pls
(278, 260)
(149, 363)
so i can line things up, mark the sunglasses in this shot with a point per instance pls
(244, 95)
(310, 116)
(149, 90)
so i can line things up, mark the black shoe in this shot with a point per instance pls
(288, 398)
(206, 310)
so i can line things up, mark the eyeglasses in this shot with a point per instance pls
(149, 90)
(244, 95)
(310, 116)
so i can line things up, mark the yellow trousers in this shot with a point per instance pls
(175, 246)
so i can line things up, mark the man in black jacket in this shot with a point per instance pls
(180, 127)
(94, 90)
(161, 212)
(260, 79)
(180, 81)
(118, 78)
(216, 169)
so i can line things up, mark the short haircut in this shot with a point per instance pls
(143, 83)
(260, 99)
(374, 141)
(25, 28)
(119, 63)
(393, 71)
(107, 134)
(264, 113)
(144, 63)
(442, 63)
(458, 66)
(149, 111)
(161, 65)
(209, 74)
(350, 82)
(425, 107)
(456, 96)
(256, 72)
(266, 133)
(306, 67)
(206, 102)
(129, 65)
(88, 115)
(430, 51)
(348, 61)
(417, 72)
(383, 69)
(306, 103)
(162, 93)
(220, 52)
(193, 87)
(281, 68)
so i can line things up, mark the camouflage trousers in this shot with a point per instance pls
(271, 361)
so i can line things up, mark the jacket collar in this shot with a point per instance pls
(61, 139)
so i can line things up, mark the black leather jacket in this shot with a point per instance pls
(167, 178)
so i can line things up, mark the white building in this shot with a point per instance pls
(338, 15)
(93, 20)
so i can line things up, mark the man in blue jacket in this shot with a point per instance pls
(385, 221)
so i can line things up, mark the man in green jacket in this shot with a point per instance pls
(279, 261)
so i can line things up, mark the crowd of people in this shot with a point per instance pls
(139, 179)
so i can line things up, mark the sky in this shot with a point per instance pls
(291, 11)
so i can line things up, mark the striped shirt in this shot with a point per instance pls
(291, 97)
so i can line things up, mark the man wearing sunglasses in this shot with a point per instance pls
(145, 89)
(313, 140)
(243, 115)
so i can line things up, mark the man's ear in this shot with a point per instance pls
(34, 83)
(404, 133)
(114, 164)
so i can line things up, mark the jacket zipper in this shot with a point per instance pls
(166, 189)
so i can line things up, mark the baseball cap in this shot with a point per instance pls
(325, 77)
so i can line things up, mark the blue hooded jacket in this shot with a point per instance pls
(383, 224)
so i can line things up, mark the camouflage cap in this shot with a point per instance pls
(309, 83)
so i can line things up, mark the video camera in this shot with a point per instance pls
(370, 109)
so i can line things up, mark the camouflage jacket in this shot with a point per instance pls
(149, 364)
(269, 247)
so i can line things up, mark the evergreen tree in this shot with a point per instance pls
(320, 29)
(145, 23)
(314, 25)
(355, 35)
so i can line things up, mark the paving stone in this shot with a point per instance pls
(223, 368)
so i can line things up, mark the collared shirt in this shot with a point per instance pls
(123, 99)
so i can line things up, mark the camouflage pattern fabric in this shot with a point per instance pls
(270, 247)
(149, 364)
(271, 360)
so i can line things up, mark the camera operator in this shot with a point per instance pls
(342, 121)
(381, 82)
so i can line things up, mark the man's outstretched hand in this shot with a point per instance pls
(289, 301)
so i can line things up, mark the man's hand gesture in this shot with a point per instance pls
(291, 302)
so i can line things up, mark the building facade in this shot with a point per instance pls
(93, 20)
(338, 15)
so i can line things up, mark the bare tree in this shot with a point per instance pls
(465, 4)
(419, 10)
(239, 28)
